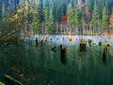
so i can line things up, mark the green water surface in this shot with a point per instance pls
(33, 65)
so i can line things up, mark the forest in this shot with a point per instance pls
(31, 17)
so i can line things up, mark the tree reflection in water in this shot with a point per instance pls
(40, 65)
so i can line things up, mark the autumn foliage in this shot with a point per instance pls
(111, 18)
(64, 19)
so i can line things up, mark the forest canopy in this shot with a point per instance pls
(57, 16)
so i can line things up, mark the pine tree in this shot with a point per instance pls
(104, 18)
(95, 18)
(72, 18)
(41, 14)
(46, 14)
(36, 24)
(0, 9)
(76, 19)
(51, 24)
(70, 15)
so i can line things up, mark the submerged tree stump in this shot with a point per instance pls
(36, 41)
(100, 43)
(90, 41)
(63, 54)
(82, 47)
(70, 39)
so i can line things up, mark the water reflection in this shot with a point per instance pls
(40, 65)
(104, 56)
(63, 54)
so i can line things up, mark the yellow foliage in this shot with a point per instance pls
(10, 19)
(16, 16)
(26, 8)
(69, 33)
(20, 10)
(31, 11)
(70, 39)
(35, 11)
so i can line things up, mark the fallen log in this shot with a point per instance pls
(11, 81)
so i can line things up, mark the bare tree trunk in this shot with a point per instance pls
(61, 29)
(57, 27)
(76, 30)
(82, 29)
(42, 27)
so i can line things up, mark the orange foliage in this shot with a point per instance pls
(110, 21)
(70, 39)
(64, 19)
(111, 18)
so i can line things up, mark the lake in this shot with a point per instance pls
(41, 65)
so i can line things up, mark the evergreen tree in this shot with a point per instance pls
(36, 24)
(76, 17)
(58, 11)
(51, 25)
(104, 18)
(95, 18)
(0, 9)
(46, 14)
(41, 14)
(70, 16)
(73, 17)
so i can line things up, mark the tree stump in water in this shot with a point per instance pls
(100, 43)
(89, 41)
(36, 41)
(108, 44)
(82, 47)
(63, 54)
(105, 53)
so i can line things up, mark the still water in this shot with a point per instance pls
(40, 65)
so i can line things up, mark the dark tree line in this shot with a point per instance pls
(60, 16)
